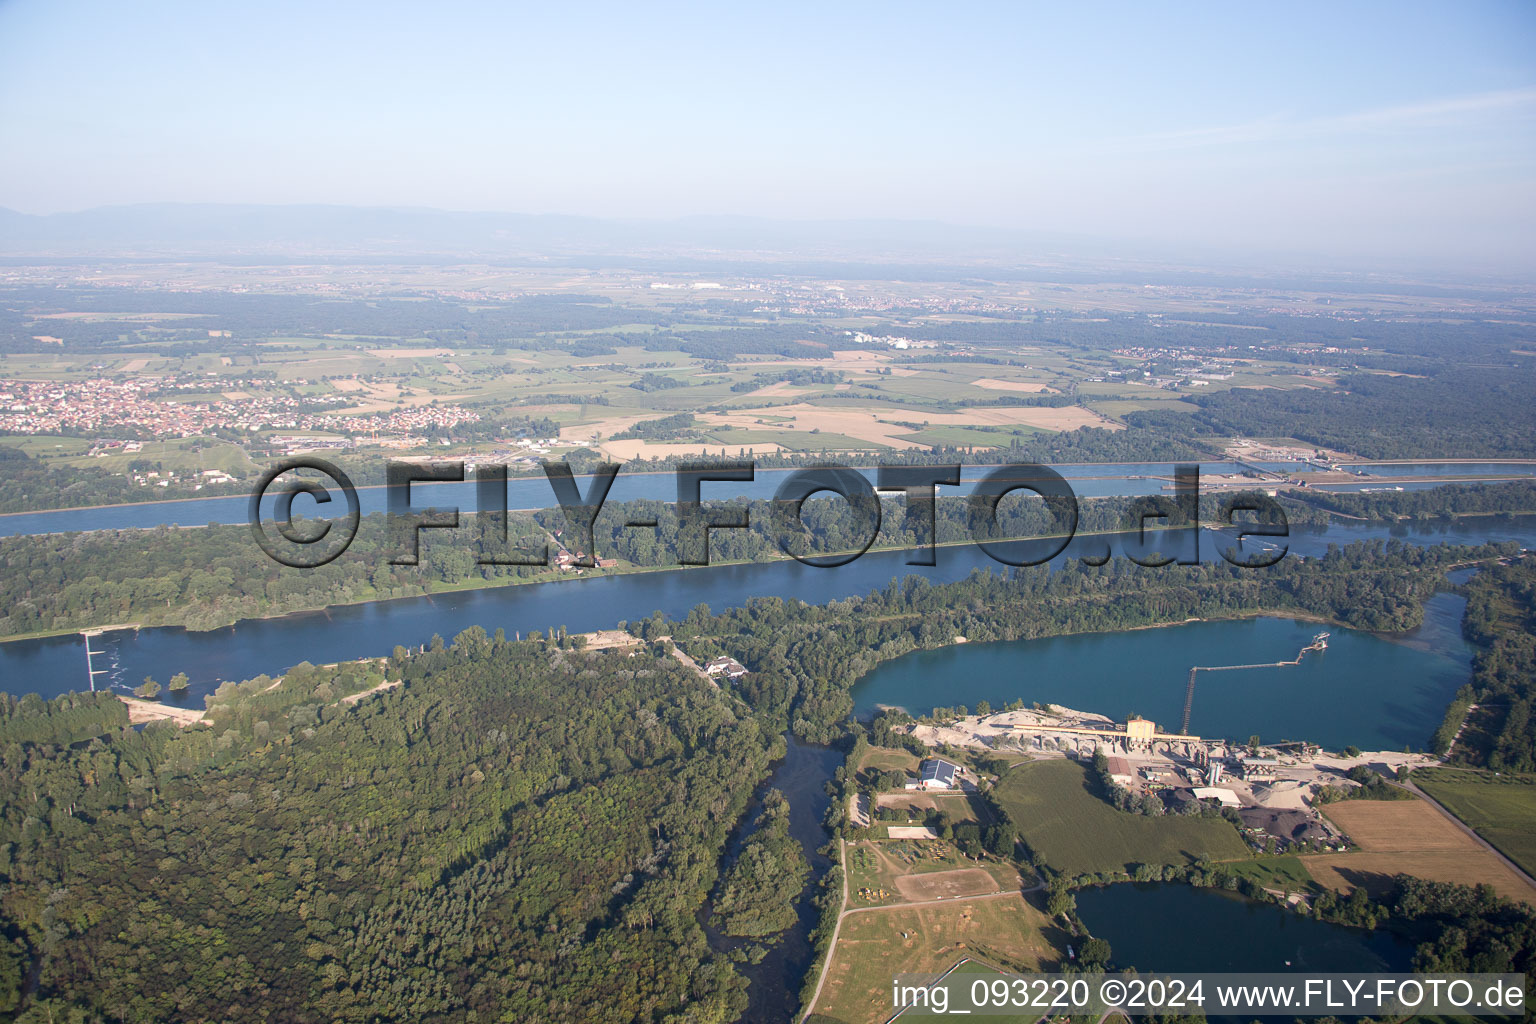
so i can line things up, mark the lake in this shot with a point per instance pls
(1366, 690)
(1168, 926)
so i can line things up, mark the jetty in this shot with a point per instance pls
(1319, 643)
(91, 672)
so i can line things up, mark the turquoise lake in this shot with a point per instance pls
(1367, 690)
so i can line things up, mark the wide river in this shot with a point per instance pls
(54, 665)
(1097, 480)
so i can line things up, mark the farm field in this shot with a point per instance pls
(959, 806)
(875, 945)
(1077, 832)
(1501, 809)
(1284, 872)
(1498, 808)
(883, 872)
(1408, 837)
(885, 759)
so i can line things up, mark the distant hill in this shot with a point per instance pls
(162, 228)
(839, 249)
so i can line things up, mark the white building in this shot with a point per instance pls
(726, 666)
(936, 773)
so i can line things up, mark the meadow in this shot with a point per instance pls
(1077, 832)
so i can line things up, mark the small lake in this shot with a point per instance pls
(1173, 927)
(1367, 690)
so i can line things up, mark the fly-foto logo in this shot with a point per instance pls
(309, 543)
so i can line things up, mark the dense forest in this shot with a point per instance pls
(1500, 621)
(1514, 497)
(512, 832)
(1453, 412)
(804, 658)
(757, 896)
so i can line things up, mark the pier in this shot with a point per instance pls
(1319, 643)
(90, 672)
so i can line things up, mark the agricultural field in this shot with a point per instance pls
(884, 872)
(1408, 837)
(1010, 931)
(1077, 832)
(764, 367)
(960, 807)
(1500, 808)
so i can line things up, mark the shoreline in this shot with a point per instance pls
(560, 577)
(563, 577)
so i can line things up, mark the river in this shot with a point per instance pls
(55, 665)
(1096, 480)
(1089, 480)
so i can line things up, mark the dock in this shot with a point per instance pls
(91, 672)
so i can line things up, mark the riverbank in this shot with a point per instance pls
(435, 588)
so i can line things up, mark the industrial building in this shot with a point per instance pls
(1259, 767)
(936, 773)
(1137, 734)
(1120, 772)
(1225, 797)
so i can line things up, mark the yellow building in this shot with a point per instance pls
(1140, 732)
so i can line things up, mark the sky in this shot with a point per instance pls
(1367, 130)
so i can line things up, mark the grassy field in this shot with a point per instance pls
(1287, 873)
(1500, 808)
(959, 806)
(876, 945)
(887, 872)
(1408, 837)
(1077, 832)
(885, 759)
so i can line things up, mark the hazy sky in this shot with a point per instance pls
(1353, 128)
